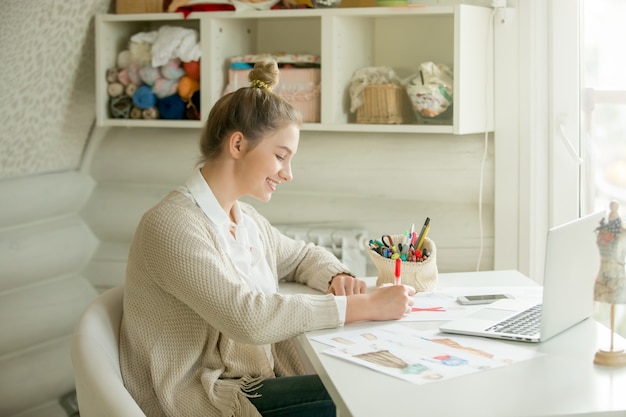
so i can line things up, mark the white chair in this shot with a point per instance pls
(95, 358)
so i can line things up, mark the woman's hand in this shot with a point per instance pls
(343, 284)
(387, 302)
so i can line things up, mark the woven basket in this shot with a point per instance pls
(421, 275)
(139, 6)
(383, 104)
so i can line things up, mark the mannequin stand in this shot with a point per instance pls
(611, 357)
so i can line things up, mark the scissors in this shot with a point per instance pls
(387, 241)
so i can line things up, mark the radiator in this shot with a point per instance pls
(348, 245)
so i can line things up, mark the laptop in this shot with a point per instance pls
(572, 263)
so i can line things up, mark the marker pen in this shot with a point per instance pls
(398, 279)
(423, 233)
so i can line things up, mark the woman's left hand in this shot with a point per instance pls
(342, 284)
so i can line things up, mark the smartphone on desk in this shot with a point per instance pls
(481, 298)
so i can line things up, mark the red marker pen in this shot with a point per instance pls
(398, 270)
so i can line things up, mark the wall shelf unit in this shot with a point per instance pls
(347, 39)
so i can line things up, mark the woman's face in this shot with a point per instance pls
(267, 164)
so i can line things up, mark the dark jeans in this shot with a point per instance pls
(294, 396)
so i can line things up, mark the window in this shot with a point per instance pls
(603, 114)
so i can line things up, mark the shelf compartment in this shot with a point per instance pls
(346, 39)
(112, 37)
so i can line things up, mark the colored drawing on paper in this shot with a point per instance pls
(420, 357)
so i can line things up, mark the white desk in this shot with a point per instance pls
(563, 382)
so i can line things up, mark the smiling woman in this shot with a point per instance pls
(205, 330)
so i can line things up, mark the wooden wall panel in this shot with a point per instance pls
(39, 375)
(36, 314)
(44, 245)
(44, 250)
(371, 181)
(29, 199)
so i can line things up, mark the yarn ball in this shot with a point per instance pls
(144, 97)
(130, 90)
(123, 77)
(111, 76)
(172, 70)
(135, 113)
(171, 107)
(120, 107)
(149, 75)
(115, 89)
(190, 113)
(186, 87)
(193, 107)
(164, 87)
(150, 114)
(124, 59)
(141, 53)
(192, 68)
(195, 100)
(133, 74)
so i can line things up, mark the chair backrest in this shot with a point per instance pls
(95, 357)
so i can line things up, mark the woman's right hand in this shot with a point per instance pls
(387, 302)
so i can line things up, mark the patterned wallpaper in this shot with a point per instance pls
(47, 84)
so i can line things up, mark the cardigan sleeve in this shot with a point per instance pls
(296, 260)
(179, 251)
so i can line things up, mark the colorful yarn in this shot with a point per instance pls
(172, 107)
(186, 87)
(144, 97)
(111, 76)
(135, 113)
(124, 59)
(140, 52)
(195, 100)
(150, 114)
(130, 90)
(164, 87)
(149, 75)
(120, 107)
(192, 69)
(172, 70)
(115, 89)
(123, 77)
(133, 74)
(193, 107)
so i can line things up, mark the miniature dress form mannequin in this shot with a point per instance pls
(610, 286)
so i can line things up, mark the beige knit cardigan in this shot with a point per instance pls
(192, 333)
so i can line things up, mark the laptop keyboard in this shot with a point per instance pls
(525, 323)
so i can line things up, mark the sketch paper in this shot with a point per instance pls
(420, 357)
(441, 305)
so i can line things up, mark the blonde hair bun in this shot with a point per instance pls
(265, 74)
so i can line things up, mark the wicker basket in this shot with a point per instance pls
(420, 275)
(383, 104)
(140, 6)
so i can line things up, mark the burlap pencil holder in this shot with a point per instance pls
(421, 275)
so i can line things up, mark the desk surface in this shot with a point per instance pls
(562, 382)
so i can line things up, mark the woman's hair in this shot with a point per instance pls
(254, 111)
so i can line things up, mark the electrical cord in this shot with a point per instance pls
(486, 139)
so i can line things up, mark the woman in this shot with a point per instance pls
(204, 330)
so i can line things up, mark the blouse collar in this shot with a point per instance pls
(202, 193)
